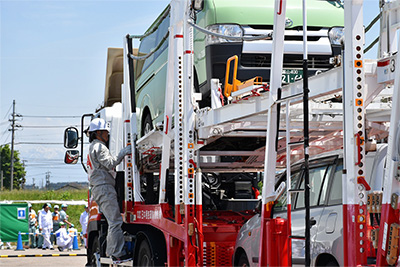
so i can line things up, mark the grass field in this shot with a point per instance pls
(73, 211)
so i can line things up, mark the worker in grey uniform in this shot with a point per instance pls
(102, 181)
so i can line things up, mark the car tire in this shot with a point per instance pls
(147, 124)
(243, 261)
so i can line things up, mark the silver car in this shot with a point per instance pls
(325, 212)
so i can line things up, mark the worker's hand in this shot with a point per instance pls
(127, 150)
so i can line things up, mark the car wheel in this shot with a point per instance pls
(243, 261)
(145, 257)
(147, 125)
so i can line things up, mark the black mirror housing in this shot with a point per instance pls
(71, 156)
(198, 5)
(71, 137)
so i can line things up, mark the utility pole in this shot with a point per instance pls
(13, 129)
(48, 180)
(12, 146)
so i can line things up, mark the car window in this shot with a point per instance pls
(161, 34)
(335, 196)
(151, 42)
(317, 178)
(281, 203)
(324, 189)
(146, 45)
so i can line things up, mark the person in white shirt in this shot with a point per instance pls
(32, 226)
(64, 240)
(84, 221)
(46, 226)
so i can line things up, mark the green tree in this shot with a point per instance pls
(19, 170)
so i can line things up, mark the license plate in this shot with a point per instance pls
(289, 76)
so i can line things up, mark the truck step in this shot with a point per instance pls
(107, 260)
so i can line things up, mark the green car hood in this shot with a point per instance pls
(320, 13)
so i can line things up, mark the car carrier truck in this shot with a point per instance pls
(189, 190)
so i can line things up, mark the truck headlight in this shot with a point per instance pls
(231, 30)
(336, 35)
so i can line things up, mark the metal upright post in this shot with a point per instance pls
(268, 192)
(306, 139)
(388, 251)
(354, 185)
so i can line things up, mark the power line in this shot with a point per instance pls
(8, 112)
(50, 117)
(45, 126)
(38, 143)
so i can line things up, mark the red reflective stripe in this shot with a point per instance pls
(166, 124)
(127, 121)
(188, 52)
(280, 8)
(178, 36)
(383, 63)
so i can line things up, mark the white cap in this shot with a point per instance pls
(98, 124)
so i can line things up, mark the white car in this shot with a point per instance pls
(325, 211)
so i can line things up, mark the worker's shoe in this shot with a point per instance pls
(117, 260)
(60, 248)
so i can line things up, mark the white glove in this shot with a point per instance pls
(125, 151)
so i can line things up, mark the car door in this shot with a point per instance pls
(320, 171)
(329, 239)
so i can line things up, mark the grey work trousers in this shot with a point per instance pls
(106, 197)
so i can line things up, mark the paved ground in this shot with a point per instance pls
(42, 258)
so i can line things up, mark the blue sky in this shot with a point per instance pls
(53, 62)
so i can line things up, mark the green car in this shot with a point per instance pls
(237, 18)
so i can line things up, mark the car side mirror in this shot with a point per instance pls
(71, 137)
(71, 156)
(198, 5)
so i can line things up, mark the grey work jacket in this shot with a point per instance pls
(101, 164)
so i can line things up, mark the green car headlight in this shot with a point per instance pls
(336, 35)
(231, 30)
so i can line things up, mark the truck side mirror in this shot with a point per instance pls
(71, 156)
(198, 5)
(71, 137)
(258, 207)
